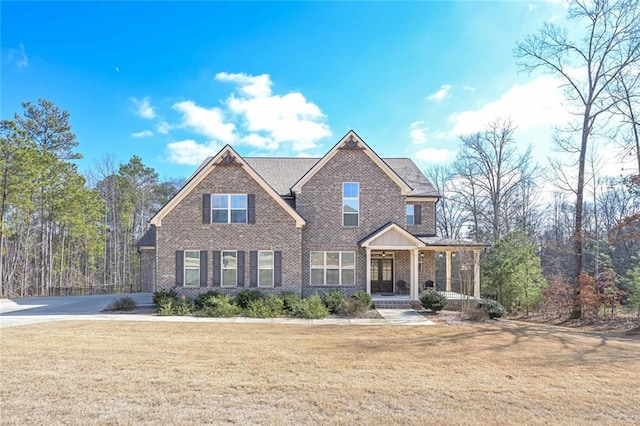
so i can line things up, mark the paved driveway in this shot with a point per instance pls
(32, 310)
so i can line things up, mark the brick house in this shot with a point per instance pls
(349, 220)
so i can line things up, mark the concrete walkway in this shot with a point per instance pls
(36, 310)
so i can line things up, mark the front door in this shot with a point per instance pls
(382, 275)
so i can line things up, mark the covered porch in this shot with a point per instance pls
(399, 265)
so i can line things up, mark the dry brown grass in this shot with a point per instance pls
(212, 373)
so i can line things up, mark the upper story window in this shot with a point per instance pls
(410, 214)
(229, 208)
(413, 214)
(350, 203)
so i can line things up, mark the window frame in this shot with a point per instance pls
(186, 267)
(229, 209)
(356, 199)
(223, 269)
(325, 269)
(273, 269)
(412, 215)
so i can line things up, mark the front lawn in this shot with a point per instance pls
(115, 372)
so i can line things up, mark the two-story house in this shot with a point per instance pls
(349, 220)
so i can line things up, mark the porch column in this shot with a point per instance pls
(476, 274)
(448, 284)
(415, 283)
(368, 251)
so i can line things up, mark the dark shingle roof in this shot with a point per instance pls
(148, 239)
(281, 173)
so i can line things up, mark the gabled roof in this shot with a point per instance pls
(226, 155)
(148, 239)
(390, 229)
(281, 172)
(352, 141)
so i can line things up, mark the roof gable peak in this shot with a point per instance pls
(351, 141)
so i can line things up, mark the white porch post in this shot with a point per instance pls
(476, 274)
(448, 284)
(415, 290)
(368, 251)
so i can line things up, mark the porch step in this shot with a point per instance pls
(396, 304)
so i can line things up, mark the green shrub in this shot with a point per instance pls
(270, 307)
(363, 297)
(333, 300)
(205, 299)
(312, 308)
(244, 297)
(353, 307)
(219, 306)
(289, 299)
(492, 308)
(167, 307)
(162, 295)
(433, 300)
(122, 304)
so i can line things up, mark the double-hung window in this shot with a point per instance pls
(333, 268)
(350, 203)
(265, 269)
(229, 208)
(191, 268)
(229, 269)
(410, 214)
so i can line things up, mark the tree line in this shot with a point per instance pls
(62, 232)
(563, 231)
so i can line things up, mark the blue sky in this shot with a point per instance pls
(174, 81)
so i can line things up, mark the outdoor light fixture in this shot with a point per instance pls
(383, 254)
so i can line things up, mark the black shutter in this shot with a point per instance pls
(206, 208)
(417, 214)
(179, 268)
(253, 269)
(217, 268)
(277, 269)
(203, 268)
(240, 263)
(251, 208)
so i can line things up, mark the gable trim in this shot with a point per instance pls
(391, 226)
(223, 158)
(352, 141)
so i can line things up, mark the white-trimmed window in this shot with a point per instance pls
(229, 208)
(265, 268)
(333, 268)
(229, 269)
(410, 210)
(191, 268)
(350, 203)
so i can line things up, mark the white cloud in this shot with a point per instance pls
(163, 127)
(17, 56)
(538, 103)
(143, 107)
(206, 122)
(418, 133)
(142, 134)
(435, 155)
(469, 88)
(279, 119)
(252, 86)
(441, 94)
(191, 153)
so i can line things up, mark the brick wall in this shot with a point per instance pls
(147, 270)
(428, 223)
(182, 229)
(320, 203)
